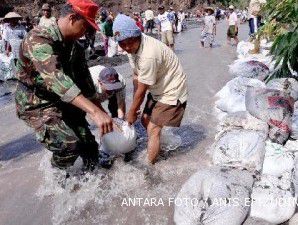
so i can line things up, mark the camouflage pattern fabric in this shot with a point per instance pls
(51, 73)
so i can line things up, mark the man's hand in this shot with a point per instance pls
(103, 121)
(131, 117)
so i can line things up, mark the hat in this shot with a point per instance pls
(231, 7)
(12, 15)
(161, 7)
(125, 27)
(87, 9)
(46, 6)
(110, 79)
(209, 8)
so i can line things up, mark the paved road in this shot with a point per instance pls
(104, 198)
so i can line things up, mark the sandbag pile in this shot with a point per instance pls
(257, 137)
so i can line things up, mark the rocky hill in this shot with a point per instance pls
(32, 7)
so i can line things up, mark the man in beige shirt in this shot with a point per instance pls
(157, 70)
(47, 19)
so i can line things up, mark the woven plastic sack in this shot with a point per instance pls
(243, 48)
(273, 199)
(241, 149)
(289, 85)
(241, 120)
(121, 140)
(277, 160)
(231, 98)
(215, 196)
(249, 68)
(294, 122)
(274, 107)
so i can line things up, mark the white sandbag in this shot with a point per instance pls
(249, 68)
(289, 85)
(7, 67)
(241, 120)
(112, 48)
(273, 199)
(214, 196)
(240, 148)
(243, 48)
(119, 142)
(274, 107)
(294, 122)
(231, 98)
(291, 146)
(277, 160)
(294, 220)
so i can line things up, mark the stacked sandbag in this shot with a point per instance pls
(294, 121)
(240, 149)
(273, 199)
(289, 85)
(274, 107)
(249, 68)
(243, 48)
(231, 98)
(241, 120)
(216, 196)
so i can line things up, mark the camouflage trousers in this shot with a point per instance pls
(67, 138)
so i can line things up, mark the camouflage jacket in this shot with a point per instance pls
(50, 73)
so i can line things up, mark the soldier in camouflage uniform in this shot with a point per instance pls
(55, 89)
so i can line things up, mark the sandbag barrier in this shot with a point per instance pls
(255, 148)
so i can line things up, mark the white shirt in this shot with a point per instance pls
(165, 22)
(209, 22)
(233, 19)
(14, 36)
(149, 15)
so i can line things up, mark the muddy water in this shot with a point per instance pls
(33, 193)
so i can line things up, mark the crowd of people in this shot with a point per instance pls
(55, 90)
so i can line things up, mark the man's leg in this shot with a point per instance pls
(113, 106)
(154, 132)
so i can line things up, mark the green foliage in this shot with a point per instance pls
(281, 27)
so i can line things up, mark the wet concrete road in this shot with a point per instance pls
(101, 200)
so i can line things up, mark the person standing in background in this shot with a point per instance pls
(165, 27)
(47, 19)
(149, 17)
(233, 26)
(209, 28)
(13, 34)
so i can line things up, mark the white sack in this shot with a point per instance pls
(207, 192)
(112, 48)
(118, 142)
(273, 199)
(243, 48)
(277, 160)
(249, 68)
(291, 146)
(290, 85)
(241, 120)
(232, 95)
(294, 121)
(240, 148)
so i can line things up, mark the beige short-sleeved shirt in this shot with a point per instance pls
(157, 66)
